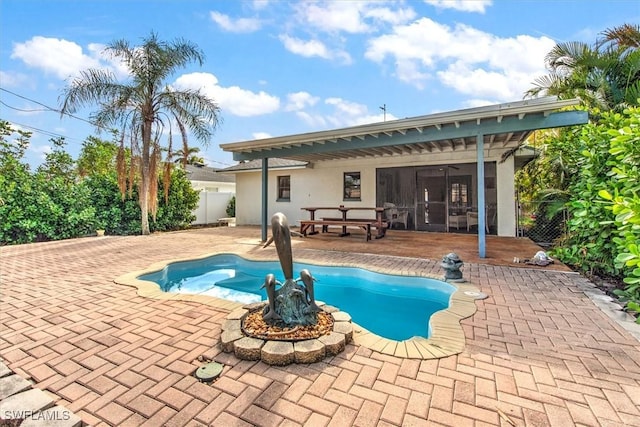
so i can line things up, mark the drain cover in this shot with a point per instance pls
(209, 371)
(476, 295)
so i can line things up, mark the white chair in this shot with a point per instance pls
(457, 221)
(395, 215)
(490, 212)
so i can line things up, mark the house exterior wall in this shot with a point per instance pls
(213, 186)
(506, 197)
(322, 185)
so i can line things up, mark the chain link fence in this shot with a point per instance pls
(541, 222)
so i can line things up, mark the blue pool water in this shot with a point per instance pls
(395, 307)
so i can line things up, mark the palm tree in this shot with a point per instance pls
(188, 157)
(606, 75)
(144, 108)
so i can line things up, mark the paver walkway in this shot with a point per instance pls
(538, 352)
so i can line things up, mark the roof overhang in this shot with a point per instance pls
(503, 126)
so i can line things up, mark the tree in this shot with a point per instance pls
(48, 204)
(605, 75)
(97, 156)
(189, 157)
(144, 108)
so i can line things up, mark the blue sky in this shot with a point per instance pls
(277, 68)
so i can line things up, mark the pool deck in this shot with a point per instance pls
(545, 348)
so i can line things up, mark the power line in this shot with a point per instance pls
(45, 132)
(55, 110)
(23, 110)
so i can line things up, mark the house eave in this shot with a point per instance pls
(504, 126)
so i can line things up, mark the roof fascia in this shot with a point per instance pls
(271, 168)
(493, 125)
(439, 119)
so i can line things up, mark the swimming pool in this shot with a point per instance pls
(394, 307)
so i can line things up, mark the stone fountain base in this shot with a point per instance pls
(287, 346)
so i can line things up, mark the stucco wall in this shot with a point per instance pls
(321, 185)
(222, 187)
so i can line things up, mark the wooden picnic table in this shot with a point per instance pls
(378, 223)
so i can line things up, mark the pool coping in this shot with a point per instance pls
(447, 335)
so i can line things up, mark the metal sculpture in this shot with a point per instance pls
(291, 304)
(451, 264)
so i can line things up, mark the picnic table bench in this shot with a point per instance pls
(374, 224)
(366, 225)
(380, 224)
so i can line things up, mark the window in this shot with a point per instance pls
(284, 188)
(459, 194)
(352, 186)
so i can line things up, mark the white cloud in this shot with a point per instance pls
(232, 99)
(313, 120)
(12, 79)
(390, 16)
(352, 17)
(313, 48)
(65, 59)
(305, 48)
(260, 4)
(348, 108)
(240, 25)
(261, 135)
(479, 82)
(333, 16)
(300, 100)
(461, 5)
(59, 57)
(473, 103)
(466, 59)
(340, 113)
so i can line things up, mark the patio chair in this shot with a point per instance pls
(490, 216)
(395, 215)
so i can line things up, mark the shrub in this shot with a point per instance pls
(231, 207)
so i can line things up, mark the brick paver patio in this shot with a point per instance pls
(538, 350)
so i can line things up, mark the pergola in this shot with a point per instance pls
(501, 126)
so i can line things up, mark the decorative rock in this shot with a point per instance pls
(344, 328)
(12, 384)
(254, 306)
(341, 316)
(227, 338)
(309, 351)
(237, 314)
(4, 370)
(279, 353)
(231, 325)
(334, 343)
(248, 348)
(330, 308)
(33, 400)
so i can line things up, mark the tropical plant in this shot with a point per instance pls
(231, 207)
(143, 109)
(605, 75)
(189, 157)
(623, 193)
(122, 217)
(48, 204)
(96, 157)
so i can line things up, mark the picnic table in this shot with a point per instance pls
(308, 226)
